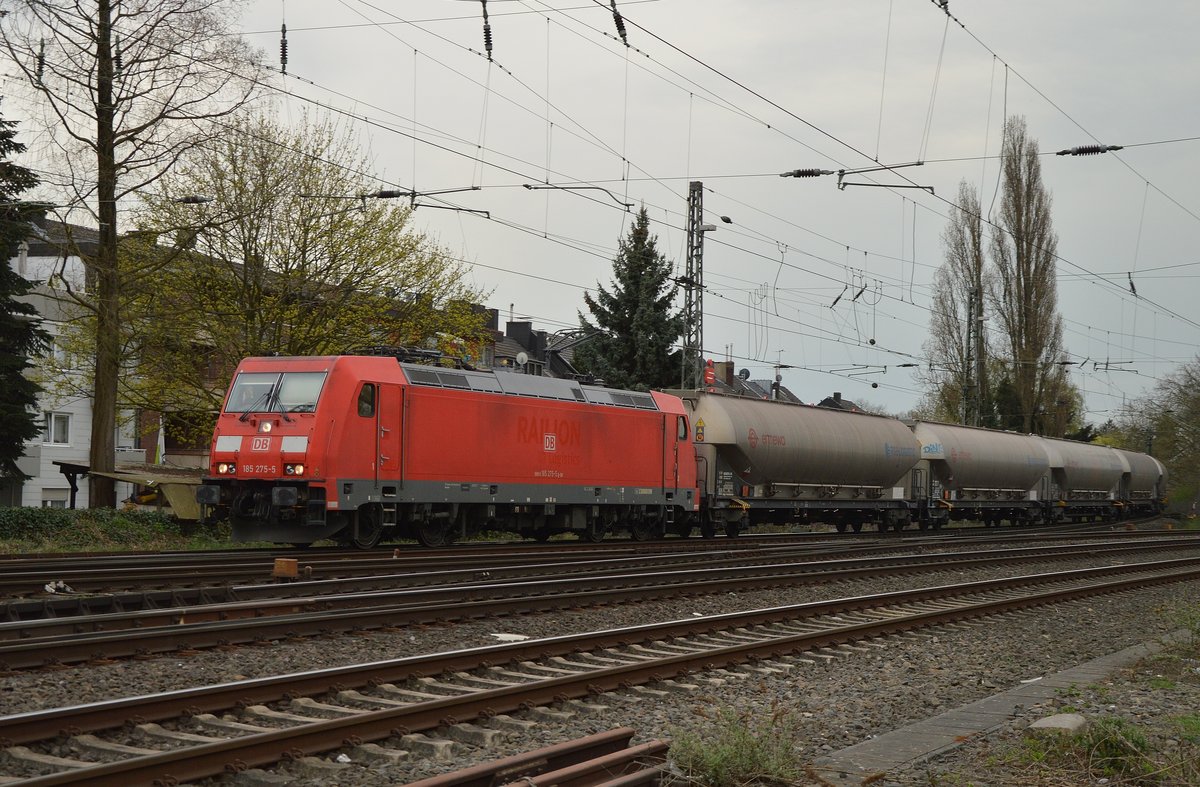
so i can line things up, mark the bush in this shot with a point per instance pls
(34, 523)
(49, 529)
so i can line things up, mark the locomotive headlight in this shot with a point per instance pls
(264, 427)
(226, 468)
(294, 469)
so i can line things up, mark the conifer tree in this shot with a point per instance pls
(634, 331)
(20, 334)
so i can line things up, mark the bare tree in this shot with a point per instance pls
(1024, 291)
(956, 378)
(1166, 423)
(126, 86)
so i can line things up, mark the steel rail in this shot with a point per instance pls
(222, 603)
(244, 623)
(84, 571)
(323, 735)
(37, 725)
(166, 604)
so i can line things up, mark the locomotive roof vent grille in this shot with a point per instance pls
(528, 385)
(484, 382)
(644, 402)
(449, 379)
(620, 398)
(422, 377)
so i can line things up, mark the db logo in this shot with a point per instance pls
(753, 438)
(260, 444)
(549, 442)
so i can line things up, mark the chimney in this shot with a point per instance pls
(521, 333)
(837, 396)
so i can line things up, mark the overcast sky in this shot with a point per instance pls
(733, 93)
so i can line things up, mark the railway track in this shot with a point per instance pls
(292, 717)
(26, 644)
(89, 589)
(190, 573)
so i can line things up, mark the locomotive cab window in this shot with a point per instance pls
(286, 392)
(366, 400)
(681, 427)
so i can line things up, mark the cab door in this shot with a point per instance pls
(387, 433)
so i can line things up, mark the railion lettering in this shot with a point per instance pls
(531, 429)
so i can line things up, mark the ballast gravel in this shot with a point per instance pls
(829, 704)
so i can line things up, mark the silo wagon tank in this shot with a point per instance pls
(765, 461)
(1143, 486)
(980, 474)
(1084, 480)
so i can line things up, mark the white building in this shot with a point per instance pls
(46, 260)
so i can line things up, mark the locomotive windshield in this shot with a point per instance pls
(287, 392)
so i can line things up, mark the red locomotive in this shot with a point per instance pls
(358, 448)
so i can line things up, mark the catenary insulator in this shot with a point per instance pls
(1088, 150)
(283, 48)
(805, 173)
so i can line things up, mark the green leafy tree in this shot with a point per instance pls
(634, 331)
(286, 257)
(20, 334)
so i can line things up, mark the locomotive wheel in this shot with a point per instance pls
(433, 534)
(641, 531)
(595, 532)
(367, 528)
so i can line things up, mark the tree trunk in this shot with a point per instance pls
(101, 490)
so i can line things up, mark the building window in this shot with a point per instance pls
(55, 498)
(57, 429)
(62, 358)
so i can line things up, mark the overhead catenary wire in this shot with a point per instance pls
(913, 256)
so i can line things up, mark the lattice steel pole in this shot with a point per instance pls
(693, 299)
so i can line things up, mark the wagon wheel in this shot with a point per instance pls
(840, 525)
(433, 534)
(708, 529)
(596, 530)
(732, 529)
(367, 528)
(857, 526)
